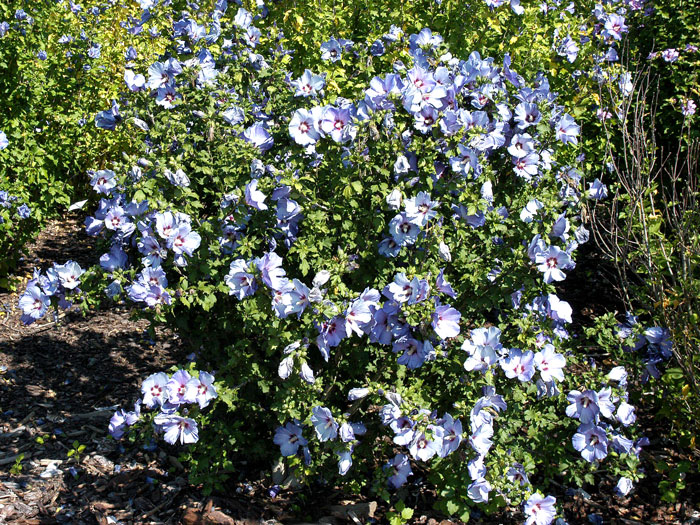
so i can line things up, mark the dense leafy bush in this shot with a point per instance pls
(363, 252)
(17, 225)
(59, 63)
(668, 44)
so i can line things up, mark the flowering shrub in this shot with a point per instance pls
(362, 242)
(68, 59)
(370, 275)
(58, 65)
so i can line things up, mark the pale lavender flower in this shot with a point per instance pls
(530, 210)
(177, 428)
(584, 406)
(258, 136)
(670, 55)
(69, 274)
(569, 49)
(527, 114)
(121, 421)
(518, 364)
(423, 448)
(271, 271)
(415, 353)
(154, 389)
(483, 348)
(551, 262)
(177, 387)
(183, 240)
(421, 209)
(625, 414)
(325, 425)
(597, 190)
(550, 364)
(336, 123)
(478, 491)
(201, 389)
(567, 129)
(357, 393)
(688, 108)
(476, 468)
(624, 486)
(254, 197)
(540, 510)
(33, 303)
(344, 461)
(306, 373)
(241, 283)
(443, 286)
(480, 439)
(605, 403)
(618, 374)
(527, 166)
(234, 115)
(403, 230)
(302, 128)
(615, 26)
(331, 50)
(308, 84)
(103, 181)
(591, 441)
(450, 434)
(358, 317)
(289, 439)
(445, 322)
(400, 469)
(134, 81)
(166, 96)
(517, 474)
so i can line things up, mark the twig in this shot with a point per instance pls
(156, 509)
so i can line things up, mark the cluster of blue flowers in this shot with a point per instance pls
(485, 352)
(8, 201)
(94, 49)
(595, 436)
(154, 234)
(169, 395)
(420, 430)
(22, 22)
(654, 344)
(289, 437)
(288, 212)
(366, 315)
(60, 282)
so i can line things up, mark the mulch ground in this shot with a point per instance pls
(61, 381)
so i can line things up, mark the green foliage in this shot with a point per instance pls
(76, 451)
(47, 108)
(16, 468)
(400, 515)
(672, 25)
(674, 482)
